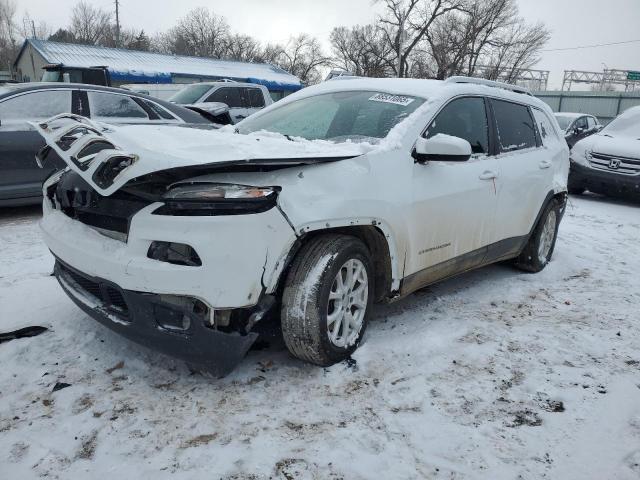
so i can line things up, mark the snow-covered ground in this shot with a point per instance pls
(495, 374)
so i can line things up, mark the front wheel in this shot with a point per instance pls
(327, 298)
(539, 249)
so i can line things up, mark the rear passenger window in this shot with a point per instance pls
(228, 95)
(464, 118)
(516, 130)
(592, 122)
(254, 98)
(111, 105)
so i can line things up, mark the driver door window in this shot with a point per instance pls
(581, 123)
(464, 118)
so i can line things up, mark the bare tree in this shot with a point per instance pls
(89, 25)
(271, 53)
(243, 48)
(32, 29)
(406, 22)
(517, 49)
(303, 56)
(361, 50)
(201, 33)
(8, 34)
(484, 38)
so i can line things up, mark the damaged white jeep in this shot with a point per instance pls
(342, 195)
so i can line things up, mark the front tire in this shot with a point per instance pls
(539, 249)
(327, 298)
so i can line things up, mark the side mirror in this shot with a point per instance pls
(579, 130)
(441, 148)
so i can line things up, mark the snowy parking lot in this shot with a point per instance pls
(495, 374)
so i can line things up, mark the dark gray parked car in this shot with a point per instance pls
(577, 126)
(20, 176)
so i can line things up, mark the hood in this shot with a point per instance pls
(143, 149)
(618, 146)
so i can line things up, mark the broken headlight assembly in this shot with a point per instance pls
(206, 198)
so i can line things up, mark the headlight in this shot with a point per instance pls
(580, 154)
(203, 198)
(216, 191)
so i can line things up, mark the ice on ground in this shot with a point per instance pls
(494, 375)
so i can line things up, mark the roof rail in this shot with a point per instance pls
(489, 83)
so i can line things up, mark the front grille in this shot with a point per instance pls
(615, 164)
(106, 295)
(79, 201)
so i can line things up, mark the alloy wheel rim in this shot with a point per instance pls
(347, 303)
(546, 237)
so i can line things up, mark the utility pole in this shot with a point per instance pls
(401, 40)
(117, 23)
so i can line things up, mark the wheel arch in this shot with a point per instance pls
(374, 234)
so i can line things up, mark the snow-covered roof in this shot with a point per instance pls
(138, 66)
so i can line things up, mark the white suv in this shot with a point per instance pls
(341, 195)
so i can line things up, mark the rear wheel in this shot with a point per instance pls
(327, 298)
(539, 249)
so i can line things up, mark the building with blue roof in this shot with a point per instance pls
(133, 66)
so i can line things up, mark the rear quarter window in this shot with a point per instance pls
(546, 130)
(111, 105)
(516, 130)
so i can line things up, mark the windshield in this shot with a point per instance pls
(564, 121)
(190, 94)
(626, 124)
(336, 116)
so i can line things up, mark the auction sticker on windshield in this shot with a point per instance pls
(396, 99)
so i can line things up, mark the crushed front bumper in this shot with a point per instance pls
(144, 318)
(604, 182)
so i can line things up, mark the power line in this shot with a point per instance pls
(590, 46)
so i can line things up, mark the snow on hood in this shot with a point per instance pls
(618, 146)
(162, 147)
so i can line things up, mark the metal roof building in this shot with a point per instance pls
(133, 66)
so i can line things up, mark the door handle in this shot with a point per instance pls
(488, 175)
(545, 164)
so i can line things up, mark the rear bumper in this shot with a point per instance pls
(601, 181)
(142, 318)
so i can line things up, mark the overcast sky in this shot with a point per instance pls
(572, 22)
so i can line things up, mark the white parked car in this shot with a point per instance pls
(243, 99)
(339, 196)
(609, 161)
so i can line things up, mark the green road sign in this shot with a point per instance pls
(633, 76)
